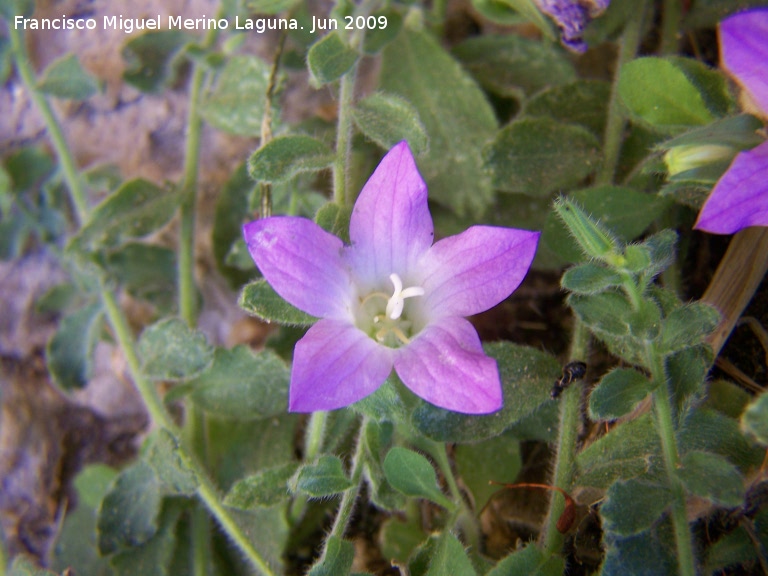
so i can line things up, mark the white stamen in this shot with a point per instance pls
(397, 301)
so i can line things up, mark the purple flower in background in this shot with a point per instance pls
(391, 298)
(572, 17)
(740, 197)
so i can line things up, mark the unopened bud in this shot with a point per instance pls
(594, 240)
(689, 157)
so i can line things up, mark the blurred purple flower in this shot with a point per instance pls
(740, 197)
(391, 298)
(572, 17)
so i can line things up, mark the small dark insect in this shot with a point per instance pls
(571, 372)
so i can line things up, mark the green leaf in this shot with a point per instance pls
(330, 58)
(711, 431)
(334, 218)
(581, 102)
(231, 210)
(628, 450)
(388, 119)
(496, 459)
(589, 279)
(286, 156)
(65, 78)
(618, 393)
(510, 65)
(632, 506)
(376, 39)
(134, 210)
(526, 375)
(754, 421)
(659, 92)
(648, 553)
(688, 326)
(243, 385)
(259, 299)
(457, 117)
(450, 558)
(413, 475)
(69, 351)
(129, 512)
(265, 488)
(155, 555)
(739, 132)
(712, 477)
(377, 440)
(529, 561)
(236, 104)
(145, 271)
(336, 560)
(171, 465)
(151, 59)
(399, 539)
(170, 350)
(607, 313)
(324, 478)
(537, 156)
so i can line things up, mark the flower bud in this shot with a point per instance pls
(681, 159)
(594, 239)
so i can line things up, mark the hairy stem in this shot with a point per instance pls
(614, 127)
(665, 425)
(313, 443)
(344, 512)
(568, 435)
(344, 137)
(66, 160)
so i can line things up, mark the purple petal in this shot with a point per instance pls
(302, 262)
(446, 366)
(390, 227)
(335, 365)
(740, 198)
(572, 17)
(744, 52)
(475, 270)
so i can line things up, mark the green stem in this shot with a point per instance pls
(666, 428)
(670, 27)
(463, 515)
(209, 495)
(313, 443)
(348, 498)
(344, 137)
(568, 435)
(614, 127)
(66, 160)
(186, 263)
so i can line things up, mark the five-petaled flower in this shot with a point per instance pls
(740, 197)
(392, 298)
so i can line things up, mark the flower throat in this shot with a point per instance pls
(389, 327)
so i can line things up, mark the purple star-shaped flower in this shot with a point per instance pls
(740, 197)
(392, 298)
(572, 17)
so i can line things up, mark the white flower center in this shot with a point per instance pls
(397, 301)
(388, 326)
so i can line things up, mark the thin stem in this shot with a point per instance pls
(463, 515)
(186, 263)
(666, 429)
(614, 127)
(348, 498)
(67, 161)
(568, 435)
(209, 495)
(344, 137)
(670, 27)
(313, 443)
